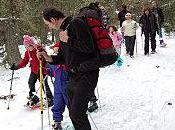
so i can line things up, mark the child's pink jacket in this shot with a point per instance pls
(116, 38)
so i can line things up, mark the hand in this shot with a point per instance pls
(45, 55)
(141, 25)
(14, 67)
(63, 36)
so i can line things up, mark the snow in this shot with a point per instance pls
(133, 97)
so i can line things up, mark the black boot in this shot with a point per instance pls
(33, 100)
(93, 106)
(57, 126)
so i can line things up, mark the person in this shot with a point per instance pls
(129, 28)
(30, 56)
(149, 28)
(60, 73)
(157, 11)
(105, 17)
(78, 53)
(116, 38)
(122, 13)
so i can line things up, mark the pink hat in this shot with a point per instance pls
(27, 40)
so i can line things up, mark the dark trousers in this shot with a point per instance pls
(130, 43)
(80, 90)
(152, 36)
(33, 79)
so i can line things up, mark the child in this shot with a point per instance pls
(129, 28)
(116, 38)
(60, 73)
(31, 57)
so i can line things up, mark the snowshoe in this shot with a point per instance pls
(33, 100)
(57, 126)
(153, 52)
(93, 107)
(163, 45)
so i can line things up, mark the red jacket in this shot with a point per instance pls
(31, 57)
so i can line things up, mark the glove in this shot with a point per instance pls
(14, 67)
(119, 62)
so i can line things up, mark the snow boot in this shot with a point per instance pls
(57, 126)
(153, 52)
(93, 106)
(33, 100)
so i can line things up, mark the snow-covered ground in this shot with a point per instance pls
(133, 97)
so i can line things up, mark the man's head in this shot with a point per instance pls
(154, 4)
(123, 7)
(53, 17)
(147, 10)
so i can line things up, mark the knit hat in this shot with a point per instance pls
(27, 40)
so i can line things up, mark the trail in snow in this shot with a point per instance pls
(133, 97)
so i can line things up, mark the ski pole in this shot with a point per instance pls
(45, 78)
(93, 121)
(142, 40)
(98, 97)
(136, 45)
(10, 89)
(41, 94)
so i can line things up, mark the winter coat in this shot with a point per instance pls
(79, 49)
(129, 27)
(148, 23)
(159, 14)
(31, 57)
(116, 38)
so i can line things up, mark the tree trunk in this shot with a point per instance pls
(11, 46)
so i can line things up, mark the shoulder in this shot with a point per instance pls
(77, 20)
(133, 21)
(124, 22)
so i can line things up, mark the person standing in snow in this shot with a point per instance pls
(157, 11)
(149, 26)
(30, 56)
(78, 53)
(60, 73)
(122, 13)
(116, 38)
(104, 14)
(129, 28)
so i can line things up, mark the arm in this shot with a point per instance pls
(119, 16)
(161, 15)
(81, 38)
(141, 21)
(24, 61)
(123, 27)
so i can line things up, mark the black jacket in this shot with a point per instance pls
(79, 49)
(158, 12)
(149, 23)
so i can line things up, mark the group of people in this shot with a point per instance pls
(75, 81)
(150, 22)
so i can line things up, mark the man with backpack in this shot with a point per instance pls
(78, 53)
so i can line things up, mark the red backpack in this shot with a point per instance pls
(92, 16)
